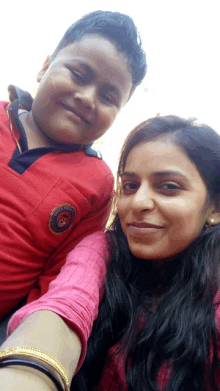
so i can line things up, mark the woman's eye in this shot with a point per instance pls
(170, 187)
(129, 187)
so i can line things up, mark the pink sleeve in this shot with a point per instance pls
(76, 292)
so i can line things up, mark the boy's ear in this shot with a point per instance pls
(44, 68)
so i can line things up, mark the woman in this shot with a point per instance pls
(158, 320)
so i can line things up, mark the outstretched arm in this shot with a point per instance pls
(61, 321)
(46, 331)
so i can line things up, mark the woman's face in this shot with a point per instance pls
(162, 206)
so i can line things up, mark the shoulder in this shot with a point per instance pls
(85, 169)
(94, 239)
(95, 243)
(3, 114)
(97, 164)
(3, 105)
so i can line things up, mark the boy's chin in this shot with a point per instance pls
(67, 141)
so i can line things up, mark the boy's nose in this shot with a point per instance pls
(86, 96)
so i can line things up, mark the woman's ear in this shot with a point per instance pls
(214, 218)
(44, 68)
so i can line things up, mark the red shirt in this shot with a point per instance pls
(50, 199)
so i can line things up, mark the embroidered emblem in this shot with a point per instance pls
(61, 218)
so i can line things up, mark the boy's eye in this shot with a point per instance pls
(78, 76)
(108, 95)
(108, 99)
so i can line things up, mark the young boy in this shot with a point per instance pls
(55, 189)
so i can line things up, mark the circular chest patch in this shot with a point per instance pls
(61, 218)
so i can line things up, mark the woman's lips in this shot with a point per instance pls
(142, 228)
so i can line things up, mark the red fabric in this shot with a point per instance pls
(75, 295)
(31, 256)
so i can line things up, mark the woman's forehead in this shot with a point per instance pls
(161, 155)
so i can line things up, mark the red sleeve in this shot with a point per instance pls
(76, 292)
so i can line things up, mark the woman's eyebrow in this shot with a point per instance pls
(128, 173)
(171, 172)
(158, 174)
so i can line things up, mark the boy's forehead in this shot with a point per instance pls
(95, 47)
(97, 54)
(91, 39)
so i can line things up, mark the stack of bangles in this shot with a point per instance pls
(37, 359)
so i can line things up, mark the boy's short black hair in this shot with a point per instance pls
(119, 29)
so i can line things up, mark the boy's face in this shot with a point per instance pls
(81, 91)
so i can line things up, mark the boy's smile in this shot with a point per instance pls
(80, 93)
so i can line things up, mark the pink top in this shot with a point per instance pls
(75, 295)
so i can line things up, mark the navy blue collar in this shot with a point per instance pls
(23, 98)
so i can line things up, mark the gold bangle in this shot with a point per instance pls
(40, 355)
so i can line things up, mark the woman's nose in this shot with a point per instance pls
(143, 199)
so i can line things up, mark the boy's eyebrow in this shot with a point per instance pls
(86, 67)
(113, 89)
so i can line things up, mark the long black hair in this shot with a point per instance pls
(182, 332)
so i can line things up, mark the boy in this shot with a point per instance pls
(55, 189)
